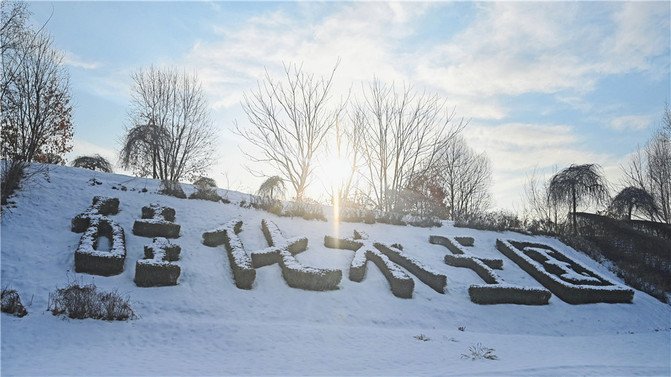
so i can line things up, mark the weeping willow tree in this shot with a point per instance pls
(96, 162)
(633, 198)
(272, 188)
(577, 185)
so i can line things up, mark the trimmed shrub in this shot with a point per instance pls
(89, 259)
(431, 278)
(11, 303)
(244, 273)
(157, 221)
(496, 291)
(536, 263)
(400, 283)
(508, 294)
(155, 269)
(78, 301)
(101, 206)
(295, 274)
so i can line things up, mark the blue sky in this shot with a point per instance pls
(544, 84)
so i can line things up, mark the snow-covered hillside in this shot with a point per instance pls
(205, 325)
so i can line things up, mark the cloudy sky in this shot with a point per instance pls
(544, 84)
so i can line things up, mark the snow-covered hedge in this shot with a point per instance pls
(157, 221)
(495, 291)
(431, 278)
(155, 269)
(401, 284)
(296, 275)
(244, 273)
(101, 206)
(456, 246)
(570, 280)
(90, 260)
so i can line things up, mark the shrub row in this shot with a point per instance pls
(244, 273)
(101, 206)
(306, 209)
(90, 260)
(495, 291)
(369, 216)
(295, 274)
(401, 284)
(456, 244)
(568, 292)
(431, 278)
(157, 221)
(155, 269)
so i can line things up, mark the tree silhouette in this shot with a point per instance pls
(578, 184)
(96, 162)
(272, 188)
(631, 198)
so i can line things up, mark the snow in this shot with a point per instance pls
(205, 325)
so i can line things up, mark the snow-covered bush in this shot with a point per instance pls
(497, 221)
(11, 303)
(79, 301)
(206, 189)
(171, 188)
(155, 269)
(571, 281)
(431, 278)
(282, 250)
(244, 273)
(89, 259)
(400, 283)
(157, 221)
(495, 291)
(101, 206)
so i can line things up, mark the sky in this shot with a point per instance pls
(541, 84)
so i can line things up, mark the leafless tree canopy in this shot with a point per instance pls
(466, 178)
(578, 184)
(35, 92)
(403, 134)
(650, 168)
(171, 137)
(289, 120)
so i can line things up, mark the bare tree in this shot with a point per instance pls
(36, 110)
(403, 134)
(650, 168)
(289, 121)
(632, 198)
(466, 178)
(540, 207)
(578, 184)
(172, 134)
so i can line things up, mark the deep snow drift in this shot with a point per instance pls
(205, 325)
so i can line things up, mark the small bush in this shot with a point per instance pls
(478, 351)
(171, 188)
(12, 174)
(206, 189)
(497, 221)
(79, 301)
(11, 303)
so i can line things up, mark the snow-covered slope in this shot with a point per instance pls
(205, 325)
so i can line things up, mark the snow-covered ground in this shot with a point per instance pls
(207, 326)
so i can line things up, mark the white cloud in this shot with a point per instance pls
(631, 122)
(73, 60)
(515, 48)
